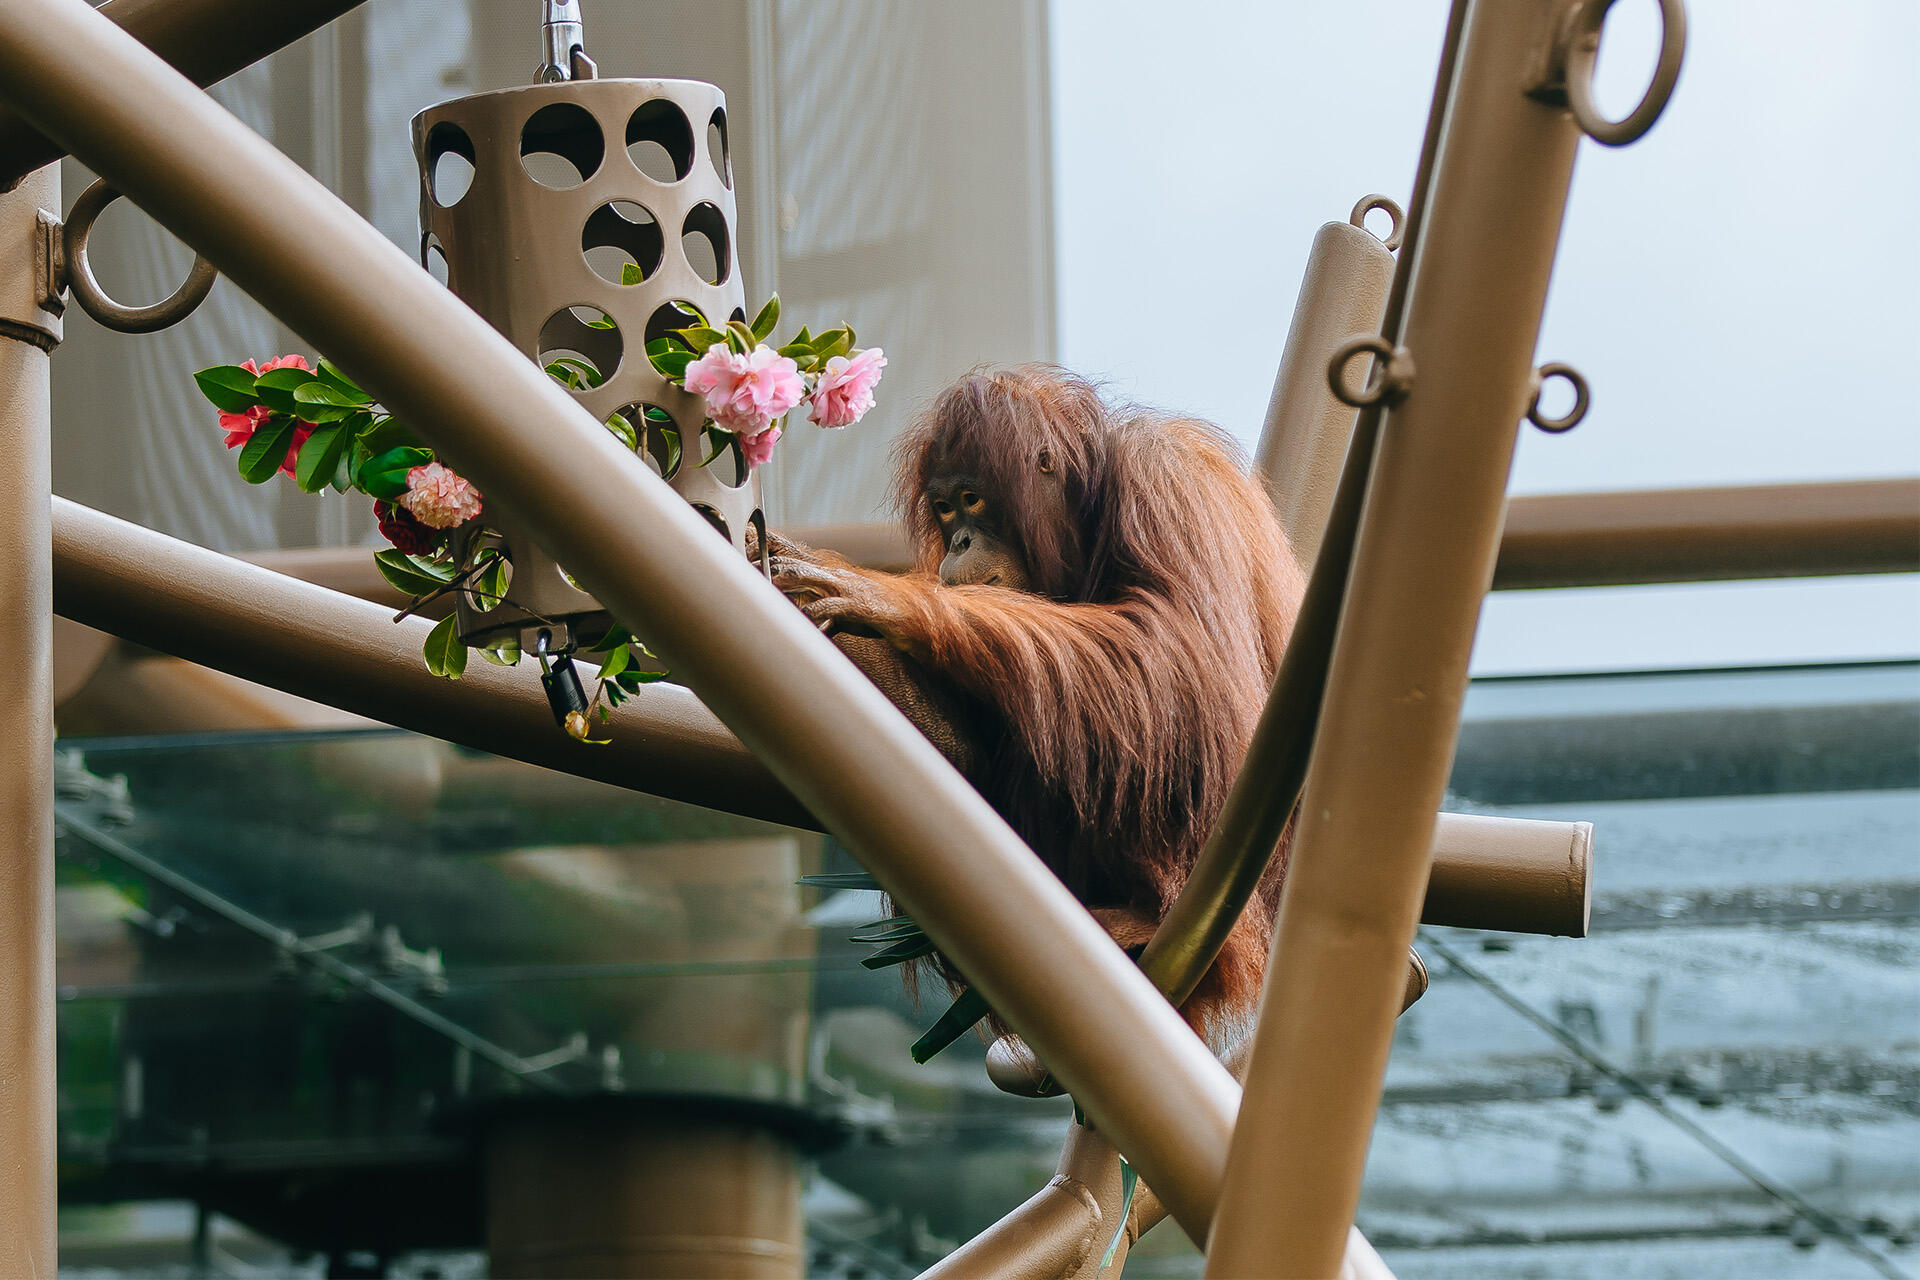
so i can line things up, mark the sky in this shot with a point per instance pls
(1738, 287)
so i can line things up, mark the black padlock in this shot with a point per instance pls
(564, 691)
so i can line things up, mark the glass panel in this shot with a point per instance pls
(1748, 823)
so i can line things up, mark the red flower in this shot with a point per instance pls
(241, 426)
(403, 530)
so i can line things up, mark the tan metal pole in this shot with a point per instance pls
(829, 735)
(1423, 560)
(1692, 535)
(207, 40)
(1304, 443)
(28, 331)
(1514, 874)
(618, 1188)
(263, 626)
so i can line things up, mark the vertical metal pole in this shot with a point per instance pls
(1423, 561)
(611, 1188)
(28, 331)
(1304, 444)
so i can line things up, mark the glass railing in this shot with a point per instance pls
(298, 971)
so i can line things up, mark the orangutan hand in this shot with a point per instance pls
(836, 596)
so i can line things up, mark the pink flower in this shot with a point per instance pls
(844, 392)
(438, 498)
(745, 393)
(402, 530)
(759, 447)
(241, 426)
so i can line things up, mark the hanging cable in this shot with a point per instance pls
(1639, 1088)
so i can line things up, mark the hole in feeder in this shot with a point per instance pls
(450, 163)
(758, 523)
(660, 141)
(622, 242)
(717, 146)
(729, 466)
(668, 316)
(704, 240)
(434, 258)
(660, 445)
(579, 347)
(658, 436)
(715, 519)
(561, 146)
(739, 314)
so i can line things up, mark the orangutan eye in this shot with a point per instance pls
(1046, 461)
(971, 501)
(942, 509)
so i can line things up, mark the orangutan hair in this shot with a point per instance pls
(1109, 706)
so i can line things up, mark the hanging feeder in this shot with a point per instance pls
(585, 218)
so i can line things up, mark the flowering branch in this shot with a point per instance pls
(315, 426)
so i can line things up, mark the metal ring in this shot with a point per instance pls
(1582, 398)
(1368, 204)
(1580, 49)
(1396, 372)
(94, 300)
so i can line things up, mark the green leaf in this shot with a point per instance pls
(343, 471)
(445, 655)
(769, 316)
(317, 402)
(840, 880)
(967, 1009)
(616, 638)
(616, 662)
(719, 437)
(700, 338)
(488, 585)
(385, 433)
(876, 936)
(633, 680)
(266, 449)
(671, 437)
(276, 388)
(320, 456)
(384, 475)
(331, 375)
(630, 273)
(899, 953)
(578, 375)
(741, 337)
(672, 364)
(622, 430)
(1128, 1180)
(409, 574)
(229, 387)
(604, 322)
(834, 342)
(889, 924)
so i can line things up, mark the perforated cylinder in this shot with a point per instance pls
(583, 220)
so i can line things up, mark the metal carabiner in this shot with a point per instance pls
(563, 52)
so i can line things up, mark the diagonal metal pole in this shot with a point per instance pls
(826, 732)
(208, 40)
(1423, 560)
(28, 331)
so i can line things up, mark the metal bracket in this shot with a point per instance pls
(50, 263)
